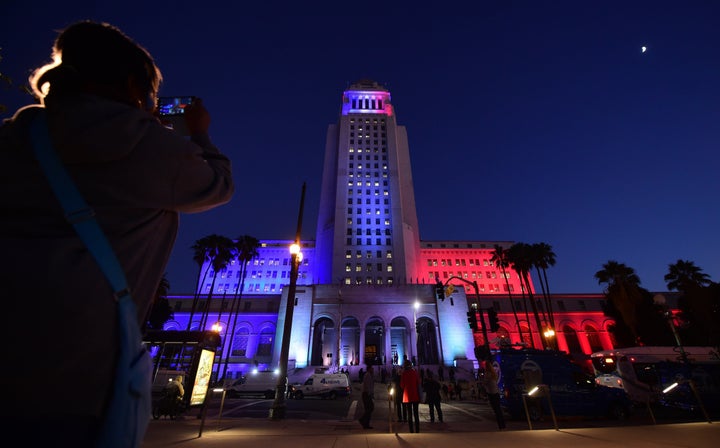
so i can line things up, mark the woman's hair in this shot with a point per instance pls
(97, 58)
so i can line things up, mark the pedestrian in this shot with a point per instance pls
(452, 374)
(490, 381)
(99, 101)
(410, 383)
(398, 395)
(432, 396)
(441, 373)
(458, 388)
(368, 395)
(361, 373)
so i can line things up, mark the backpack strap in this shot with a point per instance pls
(77, 211)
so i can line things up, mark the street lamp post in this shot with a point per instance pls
(416, 307)
(661, 302)
(277, 410)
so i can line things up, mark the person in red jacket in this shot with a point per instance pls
(410, 383)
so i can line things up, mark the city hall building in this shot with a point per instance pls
(366, 287)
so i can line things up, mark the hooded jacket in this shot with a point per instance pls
(138, 176)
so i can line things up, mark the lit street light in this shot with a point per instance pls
(277, 410)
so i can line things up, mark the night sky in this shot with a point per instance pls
(527, 121)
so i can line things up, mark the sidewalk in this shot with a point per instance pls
(266, 433)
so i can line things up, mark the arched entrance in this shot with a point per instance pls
(350, 342)
(399, 331)
(427, 343)
(374, 342)
(323, 343)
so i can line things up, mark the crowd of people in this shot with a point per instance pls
(411, 386)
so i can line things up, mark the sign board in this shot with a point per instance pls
(202, 377)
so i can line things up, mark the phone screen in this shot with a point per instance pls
(173, 105)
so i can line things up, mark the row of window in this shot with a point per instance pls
(368, 221)
(368, 267)
(361, 120)
(465, 274)
(459, 262)
(368, 192)
(368, 242)
(368, 254)
(368, 281)
(368, 201)
(359, 231)
(368, 211)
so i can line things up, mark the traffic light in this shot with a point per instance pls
(493, 319)
(439, 291)
(472, 320)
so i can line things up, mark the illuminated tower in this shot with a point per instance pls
(367, 229)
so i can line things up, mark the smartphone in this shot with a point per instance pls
(169, 106)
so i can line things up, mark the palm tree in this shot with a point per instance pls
(683, 275)
(698, 305)
(200, 256)
(220, 251)
(246, 248)
(623, 293)
(520, 257)
(500, 258)
(161, 311)
(543, 258)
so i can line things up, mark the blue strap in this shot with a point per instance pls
(77, 211)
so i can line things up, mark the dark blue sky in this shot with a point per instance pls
(527, 121)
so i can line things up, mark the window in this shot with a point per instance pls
(240, 341)
(265, 343)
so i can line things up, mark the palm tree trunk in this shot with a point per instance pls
(235, 309)
(535, 311)
(549, 301)
(512, 304)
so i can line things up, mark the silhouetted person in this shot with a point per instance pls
(432, 395)
(490, 381)
(410, 383)
(368, 395)
(99, 99)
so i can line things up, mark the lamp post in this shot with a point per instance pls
(277, 410)
(416, 307)
(661, 302)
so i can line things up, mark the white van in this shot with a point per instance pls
(324, 385)
(255, 383)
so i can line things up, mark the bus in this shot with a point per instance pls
(645, 372)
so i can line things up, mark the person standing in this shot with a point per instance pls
(490, 381)
(368, 395)
(401, 411)
(99, 99)
(432, 391)
(410, 383)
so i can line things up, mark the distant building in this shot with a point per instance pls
(366, 285)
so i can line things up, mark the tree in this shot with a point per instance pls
(637, 319)
(500, 258)
(520, 257)
(216, 251)
(543, 257)
(161, 311)
(683, 275)
(246, 248)
(699, 303)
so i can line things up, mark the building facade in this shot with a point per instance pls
(366, 288)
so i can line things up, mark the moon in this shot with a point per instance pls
(643, 49)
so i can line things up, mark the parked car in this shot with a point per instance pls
(572, 391)
(254, 383)
(323, 385)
